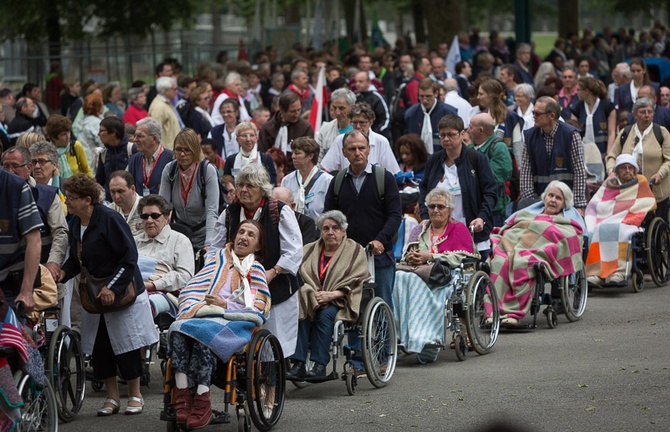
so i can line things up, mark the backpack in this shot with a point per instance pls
(658, 133)
(379, 178)
(513, 185)
(400, 103)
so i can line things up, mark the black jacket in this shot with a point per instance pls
(478, 187)
(115, 159)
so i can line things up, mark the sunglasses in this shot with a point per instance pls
(440, 207)
(154, 216)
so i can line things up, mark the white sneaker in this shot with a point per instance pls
(594, 280)
(615, 278)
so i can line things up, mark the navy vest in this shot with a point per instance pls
(599, 124)
(555, 166)
(284, 285)
(44, 196)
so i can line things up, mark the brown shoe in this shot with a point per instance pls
(182, 404)
(201, 412)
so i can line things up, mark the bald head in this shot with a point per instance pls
(481, 128)
(450, 84)
(362, 80)
(283, 194)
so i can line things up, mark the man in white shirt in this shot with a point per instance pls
(452, 98)
(362, 117)
(233, 90)
(126, 199)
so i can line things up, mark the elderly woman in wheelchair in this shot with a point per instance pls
(538, 244)
(218, 311)
(613, 219)
(419, 304)
(334, 270)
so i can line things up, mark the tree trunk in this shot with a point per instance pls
(53, 29)
(364, 26)
(568, 11)
(419, 26)
(292, 13)
(349, 7)
(217, 34)
(444, 20)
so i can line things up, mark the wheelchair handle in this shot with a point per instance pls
(652, 182)
(20, 309)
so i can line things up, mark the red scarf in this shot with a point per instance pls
(304, 94)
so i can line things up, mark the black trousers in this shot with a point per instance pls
(105, 362)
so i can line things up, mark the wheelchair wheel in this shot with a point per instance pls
(39, 412)
(638, 280)
(574, 294)
(379, 342)
(461, 347)
(65, 367)
(266, 380)
(658, 256)
(352, 382)
(482, 332)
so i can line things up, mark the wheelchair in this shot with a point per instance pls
(648, 253)
(253, 381)
(466, 308)
(375, 328)
(39, 411)
(63, 363)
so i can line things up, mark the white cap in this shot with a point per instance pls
(626, 159)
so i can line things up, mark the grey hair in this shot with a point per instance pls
(344, 93)
(296, 72)
(624, 70)
(527, 90)
(231, 78)
(45, 148)
(255, 175)
(336, 216)
(245, 125)
(642, 102)
(523, 47)
(568, 196)
(134, 93)
(23, 151)
(164, 83)
(152, 127)
(444, 193)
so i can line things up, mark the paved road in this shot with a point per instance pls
(608, 372)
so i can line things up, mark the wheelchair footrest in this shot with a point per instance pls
(220, 417)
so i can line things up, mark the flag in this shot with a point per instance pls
(320, 99)
(257, 34)
(242, 53)
(453, 57)
(376, 35)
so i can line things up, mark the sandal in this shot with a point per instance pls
(106, 411)
(509, 322)
(134, 409)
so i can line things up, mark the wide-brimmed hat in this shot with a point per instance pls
(626, 159)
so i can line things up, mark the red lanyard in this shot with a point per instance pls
(144, 170)
(323, 267)
(186, 192)
(249, 215)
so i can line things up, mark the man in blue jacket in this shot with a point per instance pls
(422, 118)
(117, 151)
(146, 166)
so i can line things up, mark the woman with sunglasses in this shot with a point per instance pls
(165, 256)
(439, 238)
(191, 188)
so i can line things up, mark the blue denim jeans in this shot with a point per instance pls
(384, 278)
(319, 332)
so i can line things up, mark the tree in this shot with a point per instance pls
(568, 17)
(58, 21)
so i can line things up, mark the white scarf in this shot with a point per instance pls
(243, 268)
(589, 134)
(637, 150)
(257, 214)
(243, 159)
(427, 128)
(300, 199)
(281, 142)
(633, 91)
(206, 115)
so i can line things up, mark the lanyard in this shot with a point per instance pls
(144, 170)
(185, 192)
(434, 239)
(323, 267)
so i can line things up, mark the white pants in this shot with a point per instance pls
(283, 323)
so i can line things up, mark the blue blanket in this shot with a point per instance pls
(224, 334)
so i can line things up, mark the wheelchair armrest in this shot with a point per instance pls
(7, 352)
(538, 266)
(484, 266)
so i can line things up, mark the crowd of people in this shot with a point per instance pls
(212, 184)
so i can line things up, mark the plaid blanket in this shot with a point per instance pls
(612, 217)
(525, 240)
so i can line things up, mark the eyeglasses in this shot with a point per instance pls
(247, 136)
(14, 167)
(182, 150)
(439, 207)
(451, 135)
(538, 113)
(71, 197)
(41, 161)
(154, 216)
(359, 122)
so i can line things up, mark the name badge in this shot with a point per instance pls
(146, 191)
(309, 196)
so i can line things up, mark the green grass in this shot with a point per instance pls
(544, 41)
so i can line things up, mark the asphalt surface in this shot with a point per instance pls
(608, 372)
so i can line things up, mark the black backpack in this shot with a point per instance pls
(202, 172)
(658, 133)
